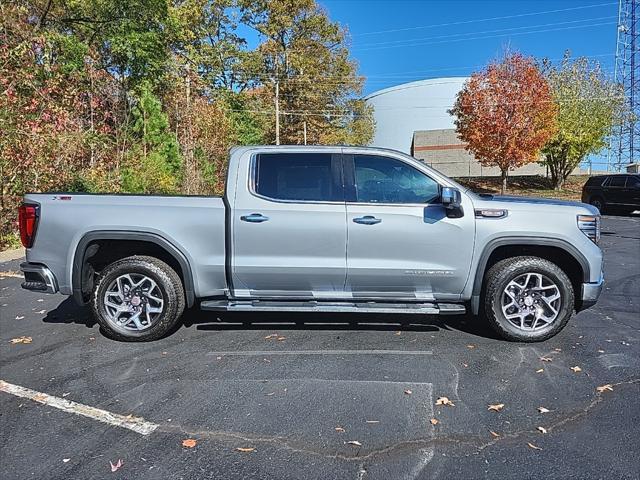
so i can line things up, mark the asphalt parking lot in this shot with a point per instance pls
(324, 396)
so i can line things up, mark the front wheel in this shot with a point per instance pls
(138, 299)
(528, 299)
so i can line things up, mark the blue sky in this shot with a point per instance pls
(404, 40)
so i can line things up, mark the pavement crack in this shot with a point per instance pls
(400, 446)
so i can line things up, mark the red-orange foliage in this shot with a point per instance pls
(506, 113)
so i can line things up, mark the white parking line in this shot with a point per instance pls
(136, 424)
(248, 353)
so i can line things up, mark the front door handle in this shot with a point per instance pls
(367, 220)
(254, 218)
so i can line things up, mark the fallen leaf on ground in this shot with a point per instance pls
(445, 401)
(558, 349)
(398, 333)
(65, 460)
(270, 394)
(543, 410)
(21, 340)
(496, 407)
(114, 468)
(465, 365)
(605, 388)
(546, 359)
(340, 429)
(408, 392)
(273, 335)
(434, 421)
(189, 443)
(19, 317)
(66, 394)
(281, 338)
(531, 445)
(354, 442)
(471, 346)
(494, 433)
(41, 312)
(542, 429)
(540, 370)
(245, 449)
(576, 369)
(600, 351)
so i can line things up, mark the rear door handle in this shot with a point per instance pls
(367, 220)
(254, 218)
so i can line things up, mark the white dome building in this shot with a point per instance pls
(413, 118)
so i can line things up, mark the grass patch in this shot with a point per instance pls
(529, 186)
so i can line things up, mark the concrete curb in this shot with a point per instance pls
(8, 255)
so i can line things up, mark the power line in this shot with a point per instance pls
(465, 22)
(393, 42)
(489, 36)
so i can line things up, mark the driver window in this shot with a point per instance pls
(387, 180)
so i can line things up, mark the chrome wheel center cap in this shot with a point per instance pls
(135, 301)
(528, 301)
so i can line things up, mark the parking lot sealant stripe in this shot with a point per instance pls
(249, 353)
(136, 424)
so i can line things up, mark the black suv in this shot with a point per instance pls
(620, 191)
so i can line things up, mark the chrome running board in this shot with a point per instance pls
(332, 307)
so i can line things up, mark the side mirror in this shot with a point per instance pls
(451, 198)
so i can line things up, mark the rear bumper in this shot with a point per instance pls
(38, 278)
(591, 292)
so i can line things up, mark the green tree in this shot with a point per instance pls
(589, 106)
(308, 82)
(154, 165)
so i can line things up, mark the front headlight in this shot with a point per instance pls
(590, 226)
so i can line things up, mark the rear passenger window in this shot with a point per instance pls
(617, 181)
(295, 176)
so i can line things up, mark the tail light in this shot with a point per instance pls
(28, 220)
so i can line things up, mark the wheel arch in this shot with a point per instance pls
(562, 253)
(146, 243)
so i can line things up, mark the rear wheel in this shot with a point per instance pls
(599, 203)
(138, 299)
(528, 299)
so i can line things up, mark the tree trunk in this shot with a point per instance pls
(503, 176)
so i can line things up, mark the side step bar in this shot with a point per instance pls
(331, 307)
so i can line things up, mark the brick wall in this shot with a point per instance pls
(443, 150)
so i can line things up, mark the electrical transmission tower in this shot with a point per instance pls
(627, 72)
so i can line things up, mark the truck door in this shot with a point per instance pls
(401, 244)
(289, 226)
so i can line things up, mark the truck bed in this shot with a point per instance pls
(194, 225)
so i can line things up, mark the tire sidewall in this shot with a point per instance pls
(136, 266)
(557, 276)
(599, 200)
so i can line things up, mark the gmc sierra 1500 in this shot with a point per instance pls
(329, 229)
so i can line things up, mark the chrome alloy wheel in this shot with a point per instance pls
(531, 301)
(133, 301)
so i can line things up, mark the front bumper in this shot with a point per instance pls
(38, 278)
(591, 292)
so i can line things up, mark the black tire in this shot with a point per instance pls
(167, 281)
(497, 279)
(599, 203)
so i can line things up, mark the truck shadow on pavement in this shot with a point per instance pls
(210, 321)
(71, 313)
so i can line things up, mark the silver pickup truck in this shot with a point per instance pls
(317, 229)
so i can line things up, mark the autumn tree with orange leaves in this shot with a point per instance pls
(505, 114)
